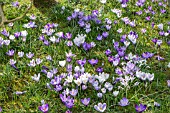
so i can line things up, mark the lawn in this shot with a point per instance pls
(85, 56)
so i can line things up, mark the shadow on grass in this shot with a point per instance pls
(52, 10)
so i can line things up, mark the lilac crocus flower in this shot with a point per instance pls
(0, 109)
(105, 34)
(44, 108)
(73, 92)
(58, 88)
(56, 80)
(140, 108)
(68, 111)
(99, 37)
(17, 34)
(168, 83)
(15, 4)
(10, 52)
(108, 52)
(93, 61)
(85, 101)
(5, 33)
(86, 46)
(81, 62)
(46, 42)
(42, 38)
(147, 55)
(124, 102)
(148, 18)
(29, 55)
(68, 35)
(99, 70)
(100, 107)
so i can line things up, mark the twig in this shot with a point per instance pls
(4, 20)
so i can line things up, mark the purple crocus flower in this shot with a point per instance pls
(81, 62)
(15, 4)
(99, 37)
(140, 108)
(124, 102)
(148, 18)
(5, 33)
(93, 61)
(58, 88)
(86, 46)
(147, 55)
(10, 52)
(85, 101)
(69, 103)
(108, 52)
(0, 109)
(99, 70)
(56, 80)
(44, 108)
(46, 42)
(105, 34)
(100, 107)
(168, 42)
(17, 34)
(68, 35)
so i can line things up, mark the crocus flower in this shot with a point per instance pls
(68, 35)
(15, 4)
(93, 61)
(68, 111)
(20, 92)
(62, 63)
(105, 34)
(0, 109)
(29, 55)
(81, 62)
(73, 92)
(108, 52)
(20, 54)
(32, 17)
(99, 70)
(124, 102)
(10, 52)
(99, 37)
(85, 101)
(36, 77)
(100, 107)
(5, 33)
(140, 108)
(44, 108)
(157, 104)
(168, 83)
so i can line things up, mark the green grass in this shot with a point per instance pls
(11, 81)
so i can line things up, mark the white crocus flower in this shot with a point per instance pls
(115, 93)
(11, 37)
(69, 78)
(103, 1)
(80, 39)
(78, 82)
(160, 26)
(62, 63)
(36, 77)
(53, 39)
